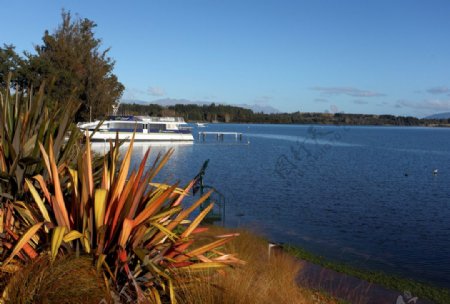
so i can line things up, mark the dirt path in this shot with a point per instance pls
(350, 288)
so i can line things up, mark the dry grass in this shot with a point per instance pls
(261, 280)
(68, 280)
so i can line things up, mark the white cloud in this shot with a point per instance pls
(430, 104)
(133, 93)
(156, 91)
(360, 102)
(350, 91)
(439, 90)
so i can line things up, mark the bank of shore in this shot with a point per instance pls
(322, 281)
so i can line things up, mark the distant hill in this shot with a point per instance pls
(136, 101)
(445, 115)
(256, 108)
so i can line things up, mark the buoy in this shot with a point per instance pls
(435, 171)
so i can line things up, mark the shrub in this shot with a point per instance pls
(135, 230)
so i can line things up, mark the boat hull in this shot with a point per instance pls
(101, 136)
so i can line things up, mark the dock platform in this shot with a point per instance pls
(219, 135)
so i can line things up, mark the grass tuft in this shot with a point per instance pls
(67, 280)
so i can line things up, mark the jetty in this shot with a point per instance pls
(219, 135)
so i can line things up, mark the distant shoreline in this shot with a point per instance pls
(328, 124)
(232, 114)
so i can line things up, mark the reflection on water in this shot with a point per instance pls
(302, 139)
(101, 147)
(172, 170)
(363, 195)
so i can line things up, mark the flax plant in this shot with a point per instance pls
(25, 121)
(136, 231)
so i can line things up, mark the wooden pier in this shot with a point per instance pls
(219, 135)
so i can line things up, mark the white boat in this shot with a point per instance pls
(147, 129)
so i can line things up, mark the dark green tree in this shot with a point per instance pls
(73, 64)
(11, 62)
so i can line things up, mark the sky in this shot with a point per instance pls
(373, 57)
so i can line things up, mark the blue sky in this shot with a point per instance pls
(381, 57)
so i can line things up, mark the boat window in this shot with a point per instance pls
(157, 127)
(124, 126)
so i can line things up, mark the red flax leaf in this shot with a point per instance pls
(181, 264)
(200, 230)
(202, 250)
(105, 176)
(46, 159)
(138, 235)
(185, 193)
(194, 206)
(23, 243)
(127, 226)
(43, 186)
(184, 214)
(139, 186)
(154, 206)
(59, 206)
(141, 170)
(123, 172)
(197, 221)
(124, 195)
(179, 249)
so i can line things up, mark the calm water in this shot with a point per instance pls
(362, 195)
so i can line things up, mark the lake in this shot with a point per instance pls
(366, 196)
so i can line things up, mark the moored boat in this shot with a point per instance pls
(147, 128)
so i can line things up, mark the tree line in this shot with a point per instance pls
(71, 63)
(234, 114)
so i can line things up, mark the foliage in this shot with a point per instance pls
(24, 122)
(141, 109)
(192, 112)
(10, 62)
(76, 66)
(71, 62)
(136, 231)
